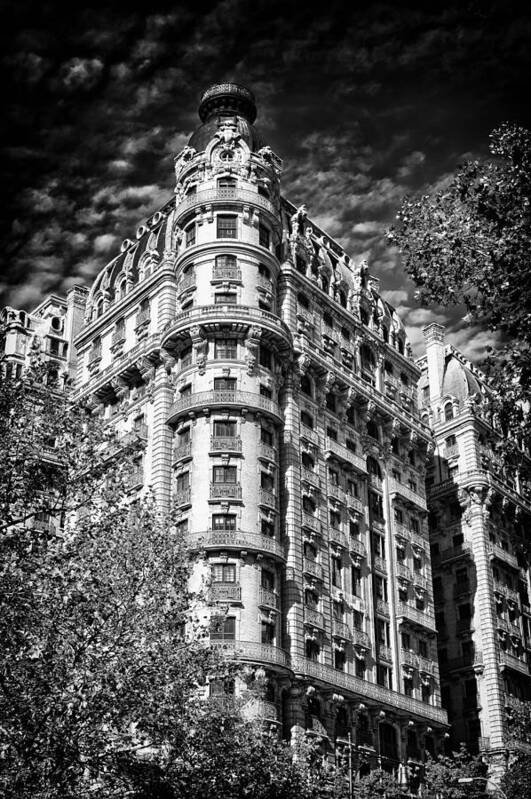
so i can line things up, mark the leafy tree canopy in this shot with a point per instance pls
(469, 243)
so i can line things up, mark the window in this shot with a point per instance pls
(224, 428)
(360, 668)
(224, 384)
(267, 579)
(327, 319)
(186, 390)
(423, 648)
(354, 529)
(226, 262)
(266, 437)
(331, 432)
(312, 649)
(448, 412)
(408, 686)
(356, 581)
(337, 579)
(223, 629)
(183, 481)
(300, 264)
(376, 506)
(225, 348)
(406, 641)
(225, 298)
(399, 516)
(333, 476)
(311, 599)
(267, 632)
(224, 521)
(190, 235)
(183, 436)
(331, 402)
(264, 271)
(339, 659)
(267, 481)
(227, 226)
(378, 545)
(383, 677)
(383, 635)
(227, 185)
(306, 385)
(350, 445)
(310, 552)
(426, 693)
(303, 301)
(223, 573)
(267, 528)
(380, 587)
(306, 419)
(358, 620)
(307, 461)
(265, 357)
(372, 430)
(224, 474)
(335, 519)
(264, 236)
(265, 392)
(186, 357)
(308, 505)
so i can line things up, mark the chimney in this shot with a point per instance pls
(435, 352)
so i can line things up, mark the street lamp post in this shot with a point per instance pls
(466, 780)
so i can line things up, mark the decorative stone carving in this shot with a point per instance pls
(252, 343)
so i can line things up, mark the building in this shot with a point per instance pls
(275, 391)
(479, 515)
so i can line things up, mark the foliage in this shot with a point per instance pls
(518, 774)
(104, 656)
(380, 783)
(469, 243)
(442, 775)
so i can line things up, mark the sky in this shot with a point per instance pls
(364, 102)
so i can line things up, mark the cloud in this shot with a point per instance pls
(81, 73)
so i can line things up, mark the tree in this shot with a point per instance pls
(469, 243)
(518, 773)
(442, 775)
(105, 656)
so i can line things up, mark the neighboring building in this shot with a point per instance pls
(46, 334)
(275, 394)
(478, 516)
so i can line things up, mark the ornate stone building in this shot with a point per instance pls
(275, 396)
(479, 515)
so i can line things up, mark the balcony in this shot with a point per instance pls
(253, 651)
(225, 491)
(336, 492)
(509, 593)
(421, 581)
(385, 697)
(357, 547)
(416, 617)
(234, 196)
(268, 599)
(341, 452)
(409, 658)
(309, 435)
(307, 476)
(379, 563)
(514, 663)
(408, 494)
(355, 504)
(183, 497)
(264, 283)
(341, 629)
(222, 273)
(225, 592)
(451, 452)
(213, 315)
(375, 482)
(225, 444)
(360, 638)
(338, 537)
(311, 523)
(267, 498)
(236, 539)
(267, 452)
(313, 568)
(501, 554)
(451, 554)
(382, 606)
(188, 281)
(314, 618)
(205, 400)
(384, 652)
(182, 452)
(404, 572)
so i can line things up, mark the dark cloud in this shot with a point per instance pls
(364, 104)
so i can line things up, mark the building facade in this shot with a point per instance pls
(274, 392)
(479, 515)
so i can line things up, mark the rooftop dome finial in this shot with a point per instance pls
(227, 98)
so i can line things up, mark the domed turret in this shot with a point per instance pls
(227, 101)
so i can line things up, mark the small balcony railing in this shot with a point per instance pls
(182, 451)
(357, 547)
(225, 444)
(225, 592)
(269, 598)
(313, 568)
(360, 638)
(225, 491)
(183, 496)
(227, 273)
(267, 498)
(314, 617)
(341, 629)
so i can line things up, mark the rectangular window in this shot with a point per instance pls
(223, 629)
(266, 392)
(335, 519)
(356, 581)
(190, 235)
(360, 669)
(380, 588)
(186, 357)
(183, 436)
(331, 432)
(268, 579)
(358, 620)
(225, 348)
(265, 357)
(186, 390)
(382, 632)
(406, 641)
(225, 298)
(267, 632)
(383, 676)
(223, 573)
(224, 474)
(267, 481)
(227, 226)
(223, 521)
(266, 437)
(267, 528)
(408, 686)
(224, 384)
(423, 648)
(224, 428)
(337, 579)
(264, 236)
(183, 481)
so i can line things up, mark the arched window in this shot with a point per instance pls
(342, 298)
(98, 310)
(448, 411)
(385, 334)
(306, 386)
(368, 362)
